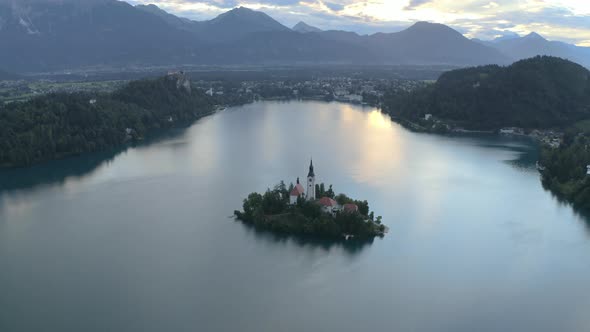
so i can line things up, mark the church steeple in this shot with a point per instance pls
(311, 183)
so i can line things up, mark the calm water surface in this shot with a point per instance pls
(141, 240)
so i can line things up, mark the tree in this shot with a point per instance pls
(330, 192)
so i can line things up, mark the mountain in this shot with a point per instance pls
(534, 44)
(541, 92)
(47, 35)
(230, 26)
(428, 43)
(531, 45)
(178, 22)
(288, 47)
(506, 35)
(41, 35)
(237, 23)
(305, 28)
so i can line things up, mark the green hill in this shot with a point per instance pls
(541, 92)
(60, 125)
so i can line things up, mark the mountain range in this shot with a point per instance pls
(48, 35)
(534, 44)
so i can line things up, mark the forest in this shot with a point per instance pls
(59, 125)
(537, 93)
(564, 169)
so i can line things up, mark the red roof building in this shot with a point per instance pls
(328, 202)
(298, 190)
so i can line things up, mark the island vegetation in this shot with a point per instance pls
(272, 211)
(58, 125)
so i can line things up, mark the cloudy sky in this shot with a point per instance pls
(564, 20)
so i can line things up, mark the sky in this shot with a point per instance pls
(563, 20)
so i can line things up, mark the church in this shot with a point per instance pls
(299, 191)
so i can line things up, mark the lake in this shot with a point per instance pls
(142, 240)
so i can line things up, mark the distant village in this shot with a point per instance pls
(550, 138)
(343, 89)
(338, 88)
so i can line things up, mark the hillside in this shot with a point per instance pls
(541, 92)
(60, 125)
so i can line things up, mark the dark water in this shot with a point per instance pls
(140, 240)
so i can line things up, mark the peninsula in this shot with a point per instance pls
(313, 212)
(60, 125)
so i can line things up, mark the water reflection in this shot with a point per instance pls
(54, 172)
(563, 203)
(351, 247)
(74, 169)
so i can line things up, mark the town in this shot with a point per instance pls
(238, 88)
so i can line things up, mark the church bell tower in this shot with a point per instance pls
(311, 183)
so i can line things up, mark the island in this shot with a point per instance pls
(314, 212)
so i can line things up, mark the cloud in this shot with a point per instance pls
(416, 3)
(566, 20)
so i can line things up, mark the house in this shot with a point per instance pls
(350, 208)
(298, 191)
(328, 205)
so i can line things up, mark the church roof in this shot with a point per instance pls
(311, 172)
(298, 190)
